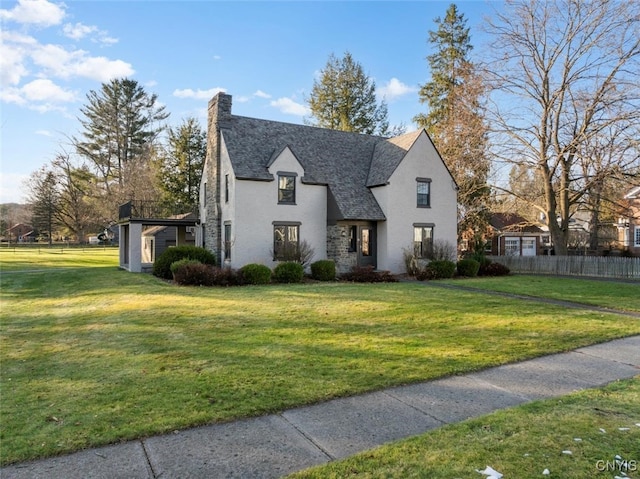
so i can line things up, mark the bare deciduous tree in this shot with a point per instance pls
(564, 74)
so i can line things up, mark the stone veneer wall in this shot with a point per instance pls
(338, 248)
(219, 118)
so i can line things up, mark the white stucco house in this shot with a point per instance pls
(357, 199)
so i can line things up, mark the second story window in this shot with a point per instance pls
(286, 188)
(424, 192)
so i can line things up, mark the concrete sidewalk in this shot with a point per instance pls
(279, 444)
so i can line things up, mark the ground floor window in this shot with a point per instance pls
(423, 240)
(227, 241)
(636, 236)
(286, 242)
(353, 238)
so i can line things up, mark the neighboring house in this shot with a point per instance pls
(269, 187)
(629, 222)
(21, 233)
(513, 235)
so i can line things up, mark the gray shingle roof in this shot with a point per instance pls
(346, 162)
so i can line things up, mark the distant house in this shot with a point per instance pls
(21, 233)
(629, 222)
(513, 235)
(269, 188)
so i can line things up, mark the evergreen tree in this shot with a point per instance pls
(45, 201)
(182, 164)
(455, 121)
(119, 123)
(344, 98)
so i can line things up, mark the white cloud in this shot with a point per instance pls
(44, 90)
(36, 12)
(101, 68)
(40, 94)
(394, 89)
(217, 57)
(78, 31)
(72, 63)
(241, 99)
(198, 94)
(12, 67)
(287, 105)
(261, 94)
(44, 133)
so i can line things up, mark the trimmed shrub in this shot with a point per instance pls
(438, 269)
(366, 274)
(227, 277)
(288, 272)
(254, 273)
(323, 270)
(181, 263)
(194, 274)
(468, 268)
(162, 264)
(494, 269)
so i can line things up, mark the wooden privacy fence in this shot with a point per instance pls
(598, 266)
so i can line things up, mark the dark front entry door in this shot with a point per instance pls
(367, 245)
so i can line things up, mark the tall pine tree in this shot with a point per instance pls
(344, 98)
(120, 122)
(44, 196)
(455, 121)
(182, 163)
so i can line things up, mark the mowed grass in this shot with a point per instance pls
(32, 258)
(609, 294)
(96, 355)
(593, 433)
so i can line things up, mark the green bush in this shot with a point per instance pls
(288, 272)
(181, 263)
(194, 273)
(438, 269)
(323, 270)
(254, 273)
(494, 269)
(468, 268)
(162, 264)
(367, 274)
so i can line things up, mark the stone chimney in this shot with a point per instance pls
(219, 118)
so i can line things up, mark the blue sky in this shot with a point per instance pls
(265, 54)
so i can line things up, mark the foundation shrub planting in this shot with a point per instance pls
(323, 270)
(288, 272)
(254, 273)
(468, 268)
(162, 264)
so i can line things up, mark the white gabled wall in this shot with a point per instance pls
(253, 207)
(398, 201)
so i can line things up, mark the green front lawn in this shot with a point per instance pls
(95, 355)
(609, 294)
(574, 437)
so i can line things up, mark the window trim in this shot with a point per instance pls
(286, 225)
(421, 254)
(427, 195)
(227, 241)
(353, 238)
(287, 175)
